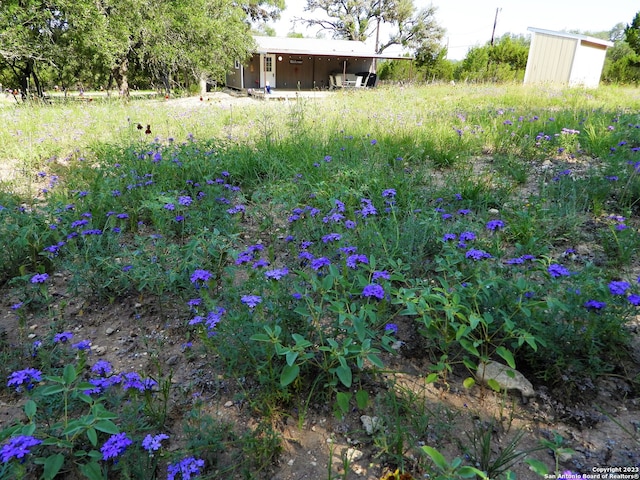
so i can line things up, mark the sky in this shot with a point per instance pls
(469, 23)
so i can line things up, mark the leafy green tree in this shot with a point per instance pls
(505, 61)
(361, 20)
(632, 34)
(35, 34)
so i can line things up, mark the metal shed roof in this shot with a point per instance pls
(576, 36)
(320, 46)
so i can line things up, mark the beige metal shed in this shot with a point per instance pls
(565, 58)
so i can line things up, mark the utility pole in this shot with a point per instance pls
(495, 22)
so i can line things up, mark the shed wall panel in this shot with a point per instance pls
(550, 59)
(588, 64)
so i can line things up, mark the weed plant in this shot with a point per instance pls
(297, 240)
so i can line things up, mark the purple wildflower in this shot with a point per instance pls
(634, 299)
(380, 274)
(39, 278)
(201, 276)
(18, 447)
(467, 236)
(594, 305)
(82, 345)
(353, 260)
(389, 193)
(260, 263)
(277, 273)
(62, 337)
(25, 377)
(185, 200)
(318, 263)
(115, 445)
(391, 328)
(618, 288)
(331, 237)
(515, 261)
(556, 270)
(186, 468)
(495, 225)
(102, 368)
(476, 254)
(251, 301)
(373, 290)
(448, 237)
(170, 206)
(152, 443)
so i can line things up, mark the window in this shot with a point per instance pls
(268, 64)
(237, 65)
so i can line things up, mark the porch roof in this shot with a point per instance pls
(320, 47)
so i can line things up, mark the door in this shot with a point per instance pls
(269, 70)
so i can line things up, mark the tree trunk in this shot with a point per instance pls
(120, 74)
(203, 84)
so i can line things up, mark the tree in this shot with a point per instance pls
(263, 10)
(632, 34)
(361, 19)
(36, 34)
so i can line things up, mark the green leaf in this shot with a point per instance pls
(469, 382)
(260, 337)
(342, 400)
(107, 426)
(537, 466)
(289, 374)
(470, 472)
(494, 385)
(291, 357)
(507, 356)
(52, 466)
(437, 457)
(92, 435)
(359, 326)
(432, 377)
(92, 471)
(362, 399)
(345, 375)
(69, 374)
(375, 360)
(30, 408)
(52, 389)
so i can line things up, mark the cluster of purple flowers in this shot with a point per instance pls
(477, 254)
(186, 468)
(251, 301)
(24, 378)
(18, 447)
(210, 321)
(115, 446)
(556, 270)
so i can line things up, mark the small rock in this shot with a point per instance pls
(228, 404)
(109, 331)
(507, 377)
(31, 336)
(33, 327)
(494, 211)
(290, 462)
(370, 424)
(98, 350)
(353, 454)
(173, 360)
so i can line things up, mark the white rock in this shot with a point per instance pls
(353, 454)
(371, 424)
(507, 377)
(228, 404)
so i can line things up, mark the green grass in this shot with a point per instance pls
(445, 210)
